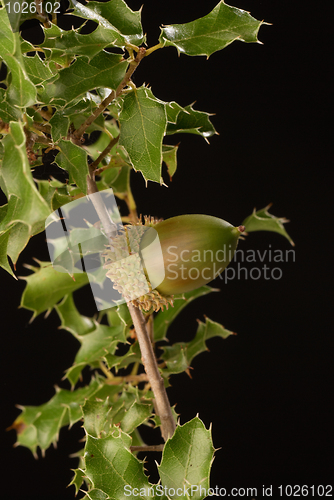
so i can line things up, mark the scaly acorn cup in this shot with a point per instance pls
(195, 250)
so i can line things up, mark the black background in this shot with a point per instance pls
(267, 391)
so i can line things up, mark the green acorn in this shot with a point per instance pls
(193, 250)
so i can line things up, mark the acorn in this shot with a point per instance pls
(192, 250)
(195, 248)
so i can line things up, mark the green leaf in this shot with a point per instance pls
(73, 43)
(111, 467)
(27, 205)
(8, 112)
(3, 252)
(186, 461)
(59, 125)
(132, 356)
(179, 356)
(163, 319)
(189, 121)
(94, 346)
(204, 36)
(123, 23)
(262, 220)
(19, 236)
(40, 425)
(169, 157)
(143, 123)
(104, 69)
(26, 210)
(45, 287)
(55, 193)
(120, 185)
(96, 495)
(36, 69)
(100, 416)
(22, 91)
(73, 159)
(77, 480)
(71, 319)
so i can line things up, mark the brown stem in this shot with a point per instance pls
(93, 166)
(142, 377)
(162, 405)
(113, 95)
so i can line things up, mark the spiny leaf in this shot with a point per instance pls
(132, 356)
(22, 91)
(77, 480)
(143, 123)
(187, 459)
(163, 319)
(204, 36)
(179, 356)
(73, 159)
(100, 416)
(45, 287)
(111, 467)
(26, 210)
(262, 220)
(104, 69)
(55, 193)
(59, 125)
(115, 16)
(19, 236)
(71, 319)
(188, 121)
(72, 42)
(3, 252)
(169, 157)
(8, 112)
(40, 425)
(94, 346)
(37, 70)
(27, 205)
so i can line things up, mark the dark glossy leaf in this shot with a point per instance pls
(204, 36)
(115, 16)
(143, 123)
(189, 121)
(73, 43)
(104, 69)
